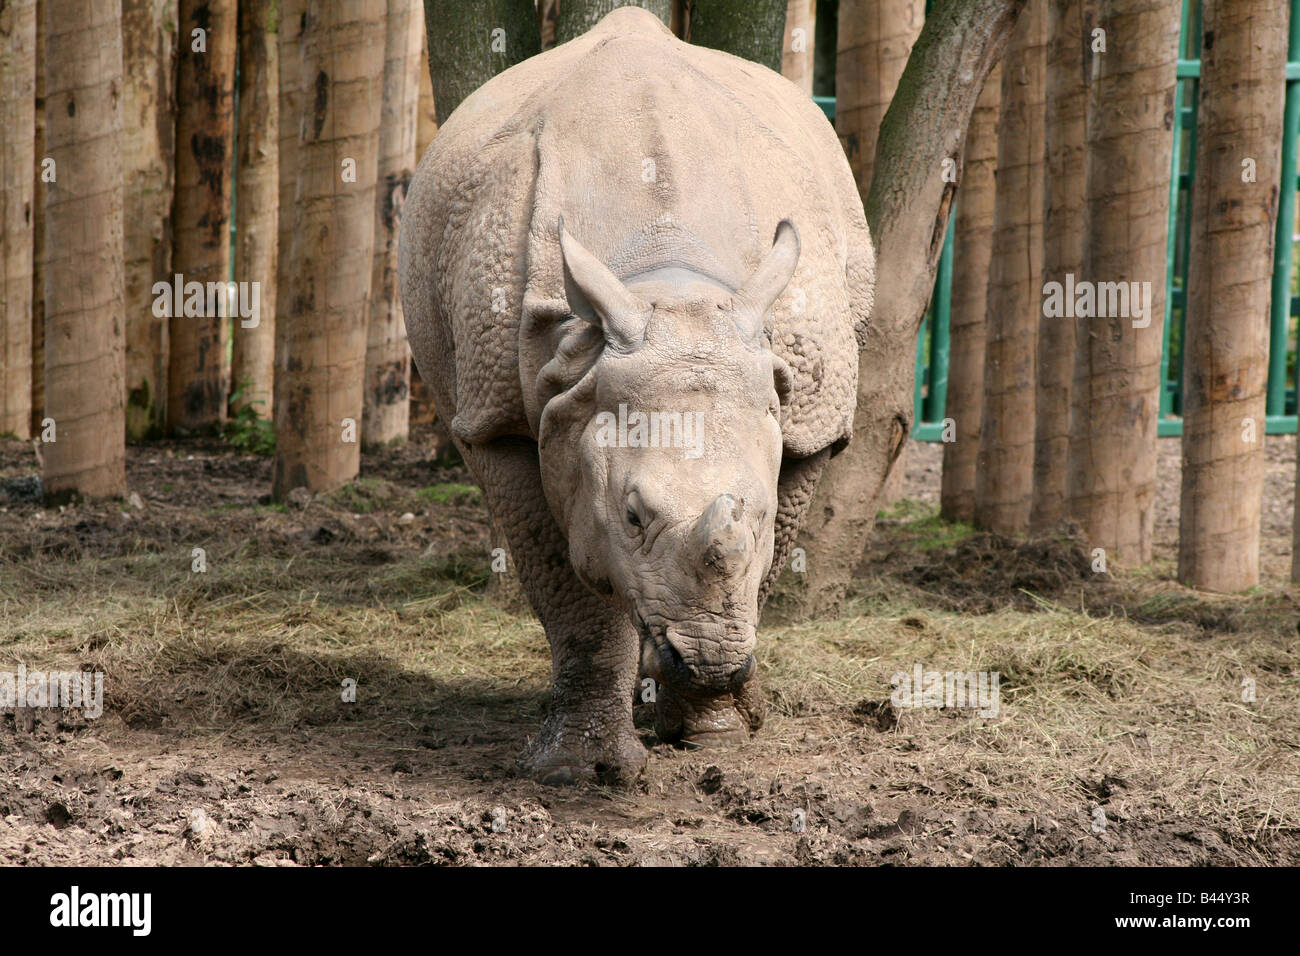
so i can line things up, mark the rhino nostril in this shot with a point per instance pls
(743, 673)
(674, 663)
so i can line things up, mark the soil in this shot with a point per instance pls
(223, 740)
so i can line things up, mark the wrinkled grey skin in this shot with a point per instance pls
(547, 281)
(682, 538)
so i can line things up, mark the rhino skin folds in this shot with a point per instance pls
(635, 275)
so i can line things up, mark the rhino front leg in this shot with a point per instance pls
(587, 734)
(794, 491)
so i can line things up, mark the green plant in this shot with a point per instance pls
(246, 429)
(451, 493)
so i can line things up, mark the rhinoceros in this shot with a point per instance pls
(635, 275)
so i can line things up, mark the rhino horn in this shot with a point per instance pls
(621, 315)
(720, 540)
(768, 281)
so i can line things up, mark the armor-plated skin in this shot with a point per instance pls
(628, 226)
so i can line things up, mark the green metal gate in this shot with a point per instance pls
(932, 343)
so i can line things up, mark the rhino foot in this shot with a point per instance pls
(569, 751)
(723, 721)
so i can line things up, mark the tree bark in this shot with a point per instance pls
(752, 29)
(84, 356)
(38, 232)
(799, 48)
(1004, 479)
(388, 357)
(874, 41)
(420, 410)
(907, 210)
(321, 339)
(252, 366)
(205, 133)
(973, 249)
(17, 180)
(1069, 72)
(548, 12)
(576, 17)
(1117, 366)
(149, 166)
(289, 121)
(1225, 365)
(428, 121)
(469, 43)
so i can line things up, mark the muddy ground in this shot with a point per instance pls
(1122, 734)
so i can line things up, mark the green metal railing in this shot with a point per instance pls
(1280, 402)
(932, 342)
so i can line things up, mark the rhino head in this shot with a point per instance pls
(661, 451)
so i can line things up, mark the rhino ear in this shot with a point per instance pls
(769, 279)
(608, 303)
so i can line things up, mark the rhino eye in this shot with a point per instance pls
(634, 512)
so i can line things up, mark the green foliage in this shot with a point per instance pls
(451, 493)
(905, 509)
(921, 524)
(933, 532)
(246, 430)
(362, 496)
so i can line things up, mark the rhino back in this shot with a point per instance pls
(654, 152)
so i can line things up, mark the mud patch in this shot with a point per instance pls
(987, 571)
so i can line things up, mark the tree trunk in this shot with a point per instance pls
(1117, 366)
(1004, 478)
(1225, 366)
(252, 366)
(428, 120)
(17, 165)
(798, 50)
(576, 17)
(38, 232)
(874, 41)
(548, 12)
(84, 356)
(907, 210)
(973, 249)
(205, 132)
(752, 29)
(420, 408)
(388, 357)
(469, 43)
(321, 338)
(289, 121)
(1069, 72)
(148, 160)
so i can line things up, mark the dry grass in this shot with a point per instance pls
(1091, 706)
(1123, 693)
